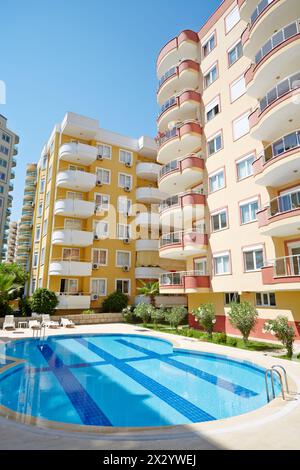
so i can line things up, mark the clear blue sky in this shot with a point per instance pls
(93, 57)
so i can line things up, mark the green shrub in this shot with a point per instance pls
(115, 302)
(88, 312)
(44, 301)
(158, 315)
(243, 317)
(175, 315)
(283, 331)
(220, 338)
(5, 308)
(205, 315)
(129, 315)
(232, 342)
(144, 312)
(25, 307)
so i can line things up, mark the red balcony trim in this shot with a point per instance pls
(264, 220)
(259, 166)
(200, 239)
(241, 3)
(186, 163)
(190, 95)
(258, 19)
(186, 35)
(188, 128)
(187, 200)
(251, 72)
(184, 65)
(196, 282)
(268, 277)
(246, 35)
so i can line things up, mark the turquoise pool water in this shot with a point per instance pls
(126, 380)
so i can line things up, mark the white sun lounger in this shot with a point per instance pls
(9, 322)
(67, 323)
(48, 323)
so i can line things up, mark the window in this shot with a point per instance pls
(241, 126)
(74, 195)
(69, 286)
(123, 231)
(232, 19)
(40, 283)
(42, 186)
(45, 227)
(125, 157)
(2, 176)
(40, 209)
(125, 181)
(230, 297)
(214, 144)
(6, 138)
(200, 266)
(1, 189)
(101, 229)
(253, 258)
(221, 264)
(3, 163)
(35, 259)
(73, 224)
(124, 205)
(100, 257)
(49, 173)
(71, 254)
(244, 167)
(217, 181)
(37, 233)
(219, 221)
(4, 150)
(265, 299)
(102, 202)
(104, 151)
(209, 45)
(235, 53)
(47, 199)
(103, 176)
(76, 168)
(212, 109)
(33, 285)
(99, 287)
(211, 76)
(42, 256)
(44, 162)
(123, 258)
(237, 89)
(248, 211)
(123, 285)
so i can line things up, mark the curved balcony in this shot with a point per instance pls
(29, 195)
(185, 76)
(76, 180)
(277, 58)
(268, 16)
(62, 267)
(74, 208)
(179, 142)
(27, 215)
(184, 282)
(277, 111)
(147, 219)
(180, 175)
(147, 171)
(148, 272)
(279, 164)
(73, 301)
(246, 8)
(146, 245)
(30, 175)
(184, 46)
(180, 210)
(81, 154)
(179, 108)
(180, 245)
(69, 237)
(149, 195)
(282, 218)
(284, 272)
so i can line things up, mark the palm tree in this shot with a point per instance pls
(149, 289)
(8, 286)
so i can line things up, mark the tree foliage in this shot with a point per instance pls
(44, 301)
(206, 316)
(243, 317)
(283, 331)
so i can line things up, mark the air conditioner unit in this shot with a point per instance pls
(96, 237)
(126, 269)
(100, 157)
(128, 165)
(126, 241)
(127, 189)
(95, 266)
(99, 183)
(98, 209)
(95, 297)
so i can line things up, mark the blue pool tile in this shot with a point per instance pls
(86, 407)
(183, 406)
(213, 379)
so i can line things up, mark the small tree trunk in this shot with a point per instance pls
(152, 300)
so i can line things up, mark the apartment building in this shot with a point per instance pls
(228, 133)
(11, 242)
(8, 151)
(95, 218)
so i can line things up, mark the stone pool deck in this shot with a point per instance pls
(275, 426)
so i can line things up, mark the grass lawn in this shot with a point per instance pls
(218, 338)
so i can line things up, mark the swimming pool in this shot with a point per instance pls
(124, 381)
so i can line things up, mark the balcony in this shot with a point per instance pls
(180, 210)
(146, 245)
(74, 208)
(149, 195)
(282, 218)
(282, 272)
(279, 163)
(147, 171)
(75, 152)
(148, 272)
(61, 267)
(76, 180)
(180, 245)
(29, 195)
(179, 142)
(184, 46)
(276, 59)
(180, 175)
(246, 8)
(184, 282)
(147, 219)
(179, 108)
(277, 111)
(185, 76)
(68, 237)
(13, 162)
(267, 17)
(73, 301)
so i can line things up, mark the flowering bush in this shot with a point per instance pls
(244, 317)
(283, 331)
(158, 314)
(175, 316)
(144, 311)
(206, 317)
